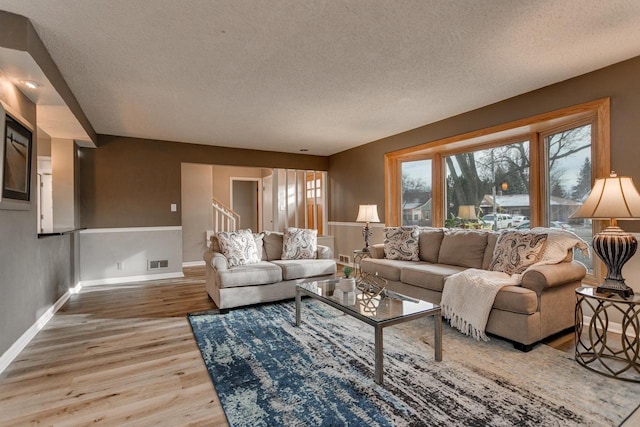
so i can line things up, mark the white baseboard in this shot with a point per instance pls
(614, 327)
(129, 229)
(17, 347)
(193, 263)
(141, 278)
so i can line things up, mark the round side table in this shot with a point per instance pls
(616, 356)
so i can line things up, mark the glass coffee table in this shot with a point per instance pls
(378, 311)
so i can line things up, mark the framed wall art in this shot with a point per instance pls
(16, 153)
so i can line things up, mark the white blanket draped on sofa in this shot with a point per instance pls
(468, 296)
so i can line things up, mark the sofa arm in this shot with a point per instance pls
(538, 278)
(324, 252)
(377, 250)
(216, 260)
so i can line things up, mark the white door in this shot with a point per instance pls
(45, 207)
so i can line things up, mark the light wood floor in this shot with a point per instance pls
(125, 355)
(119, 355)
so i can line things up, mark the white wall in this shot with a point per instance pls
(101, 250)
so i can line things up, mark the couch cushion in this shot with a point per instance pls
(429, 240)
(401, 243)
(273, 244)
(517, 300)
(386, 268)
(214, 245)
(464, 248)
(300, 243)
(492, 238)
(239, 247)
(428, 276)
(517, 250)
(260, 273)
(259, 239)
(301, 268)
(377, 250)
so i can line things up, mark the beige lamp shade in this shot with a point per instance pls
(611, 198)
(368, 213)
(467, 212)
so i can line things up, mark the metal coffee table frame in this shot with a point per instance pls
(378, 325)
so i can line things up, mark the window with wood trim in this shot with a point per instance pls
(416, 192)
(568, 153)
(534, 171)
(487, 187)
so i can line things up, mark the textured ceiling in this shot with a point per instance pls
(324, 75)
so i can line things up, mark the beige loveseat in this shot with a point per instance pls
(271, 279)
(541, 306)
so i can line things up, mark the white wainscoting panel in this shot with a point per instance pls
(117, 255)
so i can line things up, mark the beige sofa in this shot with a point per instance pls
(542, 306)
(271, 279)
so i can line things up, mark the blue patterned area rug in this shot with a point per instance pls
(267, 372)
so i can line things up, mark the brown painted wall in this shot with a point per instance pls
(351, 185)
(131, 182)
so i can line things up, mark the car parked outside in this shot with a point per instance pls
(516, 220)
(562, 225)
(497, 221)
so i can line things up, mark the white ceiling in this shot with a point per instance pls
(324, 75)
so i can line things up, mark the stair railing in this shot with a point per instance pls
(224, 218)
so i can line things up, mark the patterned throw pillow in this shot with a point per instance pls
(517, 250)
(258, 237)
(401, 243)
(299, 243)
(239, 247)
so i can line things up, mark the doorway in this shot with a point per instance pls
(245, 196)
(45, 203)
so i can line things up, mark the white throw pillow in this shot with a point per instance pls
(401, 243)
(515, 251)
(299, 243)
(239, 247)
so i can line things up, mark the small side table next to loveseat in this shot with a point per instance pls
(596, 348)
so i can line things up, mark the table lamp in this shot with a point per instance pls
(367, 214)
(467, 212)
(613, 198)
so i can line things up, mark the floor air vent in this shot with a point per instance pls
(158, 264)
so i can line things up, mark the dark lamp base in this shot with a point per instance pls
(615, 247)
(615, 287)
